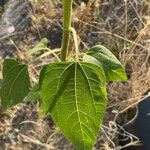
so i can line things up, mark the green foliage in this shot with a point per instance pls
(33, 94)
(75, 95)
(15, 84)
(40, 46)
(102, 57)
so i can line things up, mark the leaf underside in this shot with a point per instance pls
(15, 84)
(40, 46)
(33, 94)
(101, 56)
(75, 96)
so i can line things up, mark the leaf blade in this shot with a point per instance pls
(80, 102)
(15, 84)
(33, 94)
(101, 56)
(40, 46)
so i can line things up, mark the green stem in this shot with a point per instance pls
(67, 4)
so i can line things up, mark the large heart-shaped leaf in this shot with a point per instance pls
(103, 57)
(16, 83)
(75, 96)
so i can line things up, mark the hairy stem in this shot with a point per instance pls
(67, 4)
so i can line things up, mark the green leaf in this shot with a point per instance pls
(101, 56)
(33, 94)
(75, 95)
(40, 46)
(16, 83)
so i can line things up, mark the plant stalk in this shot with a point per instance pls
(67, 8)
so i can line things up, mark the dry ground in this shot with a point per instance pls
(123, 26)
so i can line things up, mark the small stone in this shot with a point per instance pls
(10, 29)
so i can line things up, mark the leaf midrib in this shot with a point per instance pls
(76, 100)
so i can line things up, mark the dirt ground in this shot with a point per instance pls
(121, 26)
